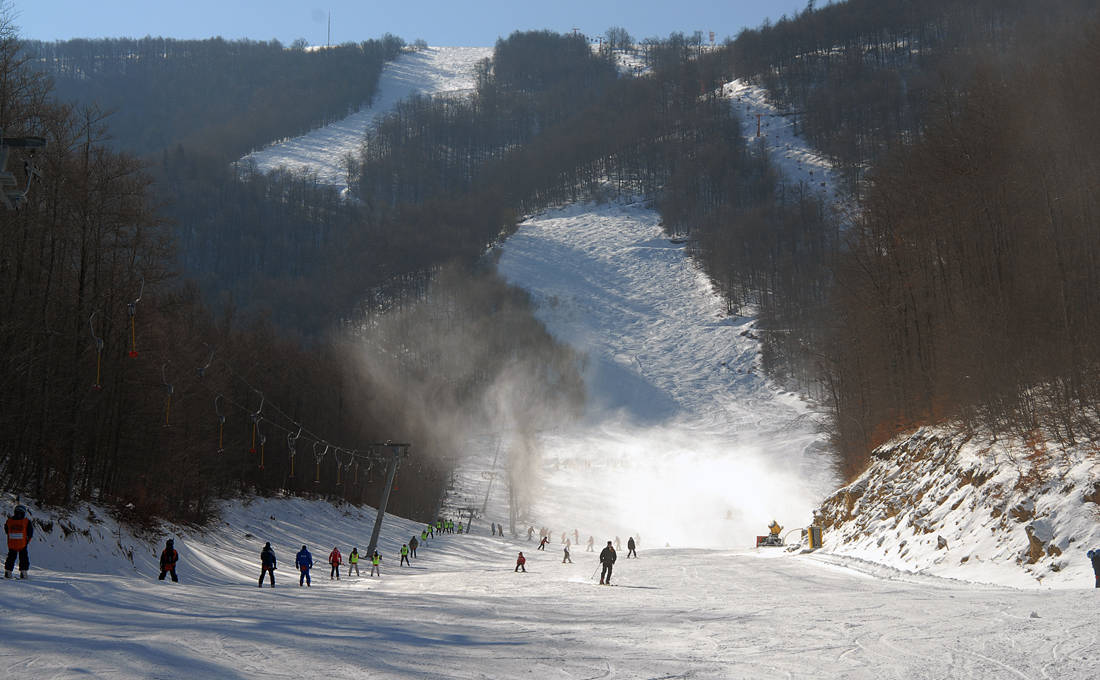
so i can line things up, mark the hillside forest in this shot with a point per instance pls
(177, 327)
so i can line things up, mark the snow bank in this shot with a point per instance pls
(972, 507)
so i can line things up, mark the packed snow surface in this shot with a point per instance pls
(683, 443)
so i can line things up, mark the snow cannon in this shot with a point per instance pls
(772, 538)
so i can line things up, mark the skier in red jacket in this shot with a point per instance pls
(19, 531)
(520, 561)
(335, 559)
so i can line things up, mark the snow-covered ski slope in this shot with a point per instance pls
(681, 430)
(461, 611)
(684, 441)
(432, 71)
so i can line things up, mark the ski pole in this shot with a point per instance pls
(594, 572)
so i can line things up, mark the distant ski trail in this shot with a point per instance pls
(435, 70)
(685, 441)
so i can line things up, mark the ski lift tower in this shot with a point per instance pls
(10, 194)
(397, 452)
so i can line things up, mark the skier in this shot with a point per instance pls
(405, 555)
(376, 564)
(431, 531)
(563, 539)
(168, 559)
(460, 527)
(631, 547)
(530, 532)
(576, 536)
(353, 561)
(591, 540)
(1094, 555)
(566, 558)
(618, 544)
(19, 531)
(607, 559)
(520, 561)
(304, 562)
(267, 564)
(542, 543)
(335, 559)
(412, 545)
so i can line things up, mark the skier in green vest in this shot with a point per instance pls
(405, 555)
(353, 561)
(376, 564)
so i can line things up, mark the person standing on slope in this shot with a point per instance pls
(566, 558)
(412, 545)
(530, 532)
(376, 564)
(19, 531)
(631, 547)
(335, 559)
(1094, 555)
(168, 559)
(405, 555)
(267, 564)
(591, 541)
(607, 559)
(520, 562)
(304, 562)
(353, 562)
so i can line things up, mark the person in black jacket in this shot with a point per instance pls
(607, 559)
(1094, 555)
(631, 547)
(168, 559)
(267, 564)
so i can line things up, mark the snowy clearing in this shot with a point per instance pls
(432, 71)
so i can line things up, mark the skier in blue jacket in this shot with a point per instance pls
(304, 561)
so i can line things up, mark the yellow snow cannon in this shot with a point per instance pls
(772, 538)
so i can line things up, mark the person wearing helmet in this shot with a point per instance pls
(1094, 555)
(168, 559)
(19, 531)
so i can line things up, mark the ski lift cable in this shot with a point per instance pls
(98, 353)
(171, 389)
(131, 309)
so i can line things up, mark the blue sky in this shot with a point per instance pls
(454, 23)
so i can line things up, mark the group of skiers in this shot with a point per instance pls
(607, 561)
(303, 560)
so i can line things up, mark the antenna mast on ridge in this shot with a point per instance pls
(328, 38)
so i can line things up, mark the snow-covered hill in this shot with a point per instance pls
(684, 444)
(431, 71)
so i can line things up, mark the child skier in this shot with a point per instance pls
(520, 561)
(353, 561)
(376, 564)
